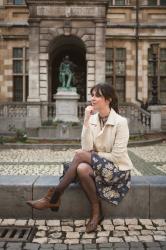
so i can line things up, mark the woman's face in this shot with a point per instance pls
(98, 101)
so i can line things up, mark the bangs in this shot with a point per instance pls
(97, 89)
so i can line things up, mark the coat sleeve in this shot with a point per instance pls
(120, 144)
(87, 138)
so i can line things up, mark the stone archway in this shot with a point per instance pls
(75, 49)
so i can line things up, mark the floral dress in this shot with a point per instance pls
(112, 184)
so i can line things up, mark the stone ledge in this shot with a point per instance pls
(146, 199)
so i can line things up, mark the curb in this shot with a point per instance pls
(65, 146)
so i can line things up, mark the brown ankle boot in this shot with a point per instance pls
(45, 202)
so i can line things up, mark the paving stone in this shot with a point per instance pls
(54, 229)
(31, 222)
(106, 222)
(146, 222)
(130, 238)
(88, 236)
(131, 221)
(159, 237)
(14, 245)
(80, 229)
(119, 233)
(159, 222)
(153, 248)
(40, 222)
(146, 232)
(40, 234)
(55, 235)
(54, 241)
(138, 248)
(106, 245)
(8, 222)
(71, 241)
(115, 239)
(42, 228)
(147, 238)
(53, 223)
(31, 246)
(135, 227)
(67, 228)
(40, 240)
(21, 222)
(121, 228)
(159, 232)
(72, 235)
(150, 227)
(85, 241)
(117, 222)
(67, 222)
(102, 240)
(108, 227)
(103, 234)
(79, 223)
(130, 233)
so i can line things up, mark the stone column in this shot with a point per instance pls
(100, 52)
(155, 111)
(33, 111)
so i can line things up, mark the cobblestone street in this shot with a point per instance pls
(116, 234)
(147, 160)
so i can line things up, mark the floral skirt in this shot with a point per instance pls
(112, 184)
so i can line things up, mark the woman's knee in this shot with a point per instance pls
(83, 169)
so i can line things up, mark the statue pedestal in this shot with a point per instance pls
(66, 105)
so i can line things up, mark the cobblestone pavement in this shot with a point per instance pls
(119, 234)
(147, 160)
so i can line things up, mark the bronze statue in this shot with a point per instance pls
(66, 72)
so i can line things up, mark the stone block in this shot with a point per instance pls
(15, 190)
(157, 196)
(74, 203)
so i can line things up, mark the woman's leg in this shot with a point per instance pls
(85, 175)
(51, 200)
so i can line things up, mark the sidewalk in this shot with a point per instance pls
(119, 234)
(147, 160)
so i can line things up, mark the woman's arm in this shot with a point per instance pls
(86, 135)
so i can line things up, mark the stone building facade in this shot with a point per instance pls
(107, 40)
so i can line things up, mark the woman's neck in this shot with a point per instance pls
(105, 112)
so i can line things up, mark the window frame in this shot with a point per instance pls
(25, 60)
(114, 74)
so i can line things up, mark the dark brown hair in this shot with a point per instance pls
(108, 92)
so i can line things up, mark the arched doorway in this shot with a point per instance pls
(75, 49)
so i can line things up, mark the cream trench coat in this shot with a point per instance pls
(110, 142)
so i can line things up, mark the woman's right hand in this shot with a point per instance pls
(89, 110)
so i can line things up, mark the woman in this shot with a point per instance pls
(102, 165)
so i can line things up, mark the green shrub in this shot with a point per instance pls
(21, 135)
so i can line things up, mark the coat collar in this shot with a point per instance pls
(111, 118)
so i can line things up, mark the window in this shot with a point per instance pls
(161, 75)
(116, 70)
(16, 2)
(117, 2)
(157, 2)
(152, 2)
(20, 74)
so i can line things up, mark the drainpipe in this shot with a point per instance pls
(136, 48)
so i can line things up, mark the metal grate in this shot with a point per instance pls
(17, 234)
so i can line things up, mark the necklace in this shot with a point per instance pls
(103, 120)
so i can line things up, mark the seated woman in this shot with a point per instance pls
(102, 165)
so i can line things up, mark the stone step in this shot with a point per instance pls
(146, 199)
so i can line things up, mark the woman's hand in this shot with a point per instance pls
(89, 110)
